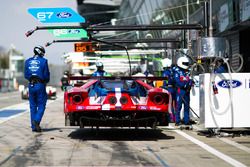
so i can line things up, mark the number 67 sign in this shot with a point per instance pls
(56, 15)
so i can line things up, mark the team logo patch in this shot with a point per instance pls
(34, 62)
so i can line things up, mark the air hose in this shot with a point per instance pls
(212, 80)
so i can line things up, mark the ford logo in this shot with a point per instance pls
(143, 107)
(227, 83)
(63, 15)
(73, 31)
(34, 62)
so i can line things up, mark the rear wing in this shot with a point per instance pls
(152, 78)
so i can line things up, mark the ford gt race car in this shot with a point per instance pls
(116, 103)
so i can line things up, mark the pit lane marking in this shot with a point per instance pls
(232, 143)
(210, 149)
(9, 97)
(235, 144)
(10, 156)
(158, 157)
(21, 106)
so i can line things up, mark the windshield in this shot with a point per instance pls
(112, 84)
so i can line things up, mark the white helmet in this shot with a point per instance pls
(98, 64)
(183, 62)
(166, 63)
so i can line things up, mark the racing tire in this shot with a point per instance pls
(68, 120)
(163, 119)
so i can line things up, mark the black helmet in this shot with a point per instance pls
(39, 50)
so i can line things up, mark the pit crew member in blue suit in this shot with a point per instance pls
(183, 85)
(220, 67)
(38, 75)
(169, 83)
(100, 72)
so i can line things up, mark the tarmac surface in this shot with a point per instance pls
(58, 145)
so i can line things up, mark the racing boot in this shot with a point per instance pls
(37, 127)
(187, 126)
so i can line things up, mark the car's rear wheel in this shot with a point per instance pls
(68, 120)
(163, 119)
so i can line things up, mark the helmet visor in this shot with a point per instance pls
(185, 63)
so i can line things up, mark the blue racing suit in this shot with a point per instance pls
(37, 72)
(100, 73)
(220, 69)
(183, 86)
(169, 84)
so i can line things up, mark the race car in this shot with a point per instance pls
(116, 103)
(51, 92)
(25, 93)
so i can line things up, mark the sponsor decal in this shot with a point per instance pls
(80, 107)
(154, 108)
(34, 68)
(69, 33)
(63, 15)
(56, 15)
(33, 65)
(143, 107)
(92, 107)
(74, 31)
(227, 83)
(106, 107)
(65, 32)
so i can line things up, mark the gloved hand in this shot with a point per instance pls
(191, 82)
(188, 85)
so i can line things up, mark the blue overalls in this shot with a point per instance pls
(169, 85)
(37, 72)
(183, 86)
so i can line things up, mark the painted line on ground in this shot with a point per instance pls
(9, 97)
(158, 157)
(22, 106)
(232, 143)
(10, 156)
(212, 150)
(235, 144)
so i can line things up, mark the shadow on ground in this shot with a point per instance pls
(119, 134)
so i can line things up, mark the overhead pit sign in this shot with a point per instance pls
(84, 47)
(69, 33)
(56, 15)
